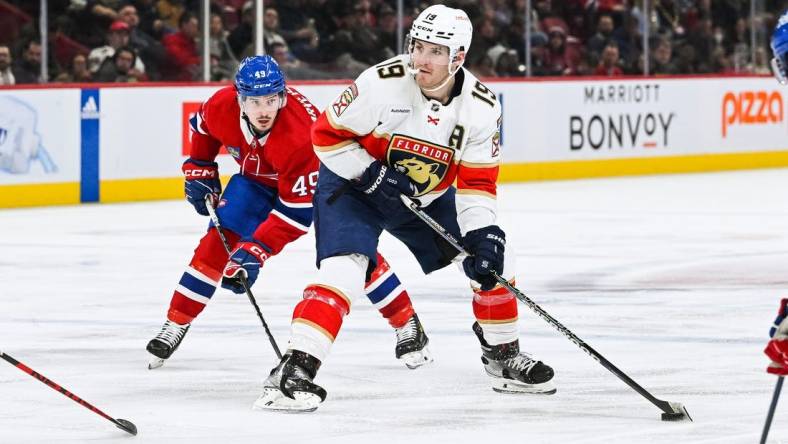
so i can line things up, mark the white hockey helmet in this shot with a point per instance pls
(443, 26)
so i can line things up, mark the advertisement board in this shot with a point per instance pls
(128, 143)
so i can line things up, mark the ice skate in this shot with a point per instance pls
(289, 387)
(412, 344)
(165, 343)
(513, 371)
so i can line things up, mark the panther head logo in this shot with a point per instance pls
(423, 173)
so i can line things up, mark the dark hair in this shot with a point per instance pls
(185, 17)
(128, 49)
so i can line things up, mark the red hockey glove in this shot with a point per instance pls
(246, 260)
(202, 179)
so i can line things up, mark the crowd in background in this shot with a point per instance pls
(159, 40)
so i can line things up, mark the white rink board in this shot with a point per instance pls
(673, 117)
(40, 123)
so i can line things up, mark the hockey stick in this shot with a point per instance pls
(122, 424)
(244, 282)
(673, 411)
(772, 407)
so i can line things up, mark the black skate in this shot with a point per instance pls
(412, 344)
(513, 371)
(289, 387)
(165, 343)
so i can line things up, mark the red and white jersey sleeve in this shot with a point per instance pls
(204, 145)
(336, 134)
(477, 172)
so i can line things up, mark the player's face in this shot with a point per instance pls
(432, 62)
(261, 110)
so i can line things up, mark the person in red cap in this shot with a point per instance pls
(117, 37)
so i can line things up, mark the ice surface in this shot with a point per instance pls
(675, 279)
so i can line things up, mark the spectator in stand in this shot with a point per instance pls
(223, 61)
(6, 75)
(117, 37)
(241, 37)
(78, 71)
(508, 64)
(271, 28)
(559, 59)
(604, 32)
(538, 51)
(358, 37)
(483, 68)
(183, 57)
(28, 69)
(91, 18)
(295, 69)
(298, 26)
(663, 58)
(150, 23)
(629, 42)
(120, 68)
(701, 39)
(149, 50)
(387, 28)
(170, 13)
(484, 37)
(609, 65)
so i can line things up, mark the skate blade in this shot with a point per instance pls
(273, 400)
(502, 385)
(416, 359)
(155, 362)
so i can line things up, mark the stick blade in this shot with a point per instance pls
(679, 413)
(126, 426)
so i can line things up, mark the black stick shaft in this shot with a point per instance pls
(244, 282)
(772, 407)
(662, 405)
(55, 386)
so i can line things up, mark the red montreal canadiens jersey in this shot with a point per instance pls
(384, 116)
(283, 159)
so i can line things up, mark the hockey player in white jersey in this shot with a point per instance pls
(410, 125)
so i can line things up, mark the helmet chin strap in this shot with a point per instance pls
(414, 71)
(448, 79)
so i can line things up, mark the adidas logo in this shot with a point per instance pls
(90, 109)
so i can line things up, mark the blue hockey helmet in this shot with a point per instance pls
(780, 49)
(259, 76)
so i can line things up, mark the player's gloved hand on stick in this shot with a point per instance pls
(202, 179)
(777, 348)
(247, 258)
(383, 185)
(487, 246)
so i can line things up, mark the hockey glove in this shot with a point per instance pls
(202, 179)
(245, 261)
(383, 185)
(487, 247)
(777, 348)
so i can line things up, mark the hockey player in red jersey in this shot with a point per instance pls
(265, 126)
(410, 125)
(777, 348)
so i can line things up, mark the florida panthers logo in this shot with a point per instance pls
(426, 163)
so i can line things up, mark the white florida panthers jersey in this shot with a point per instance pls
(384, 116)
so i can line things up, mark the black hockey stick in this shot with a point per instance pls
(773, 406)
(244, 282)
(673, 411)
(122, 424)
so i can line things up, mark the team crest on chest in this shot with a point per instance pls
(426, 163)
